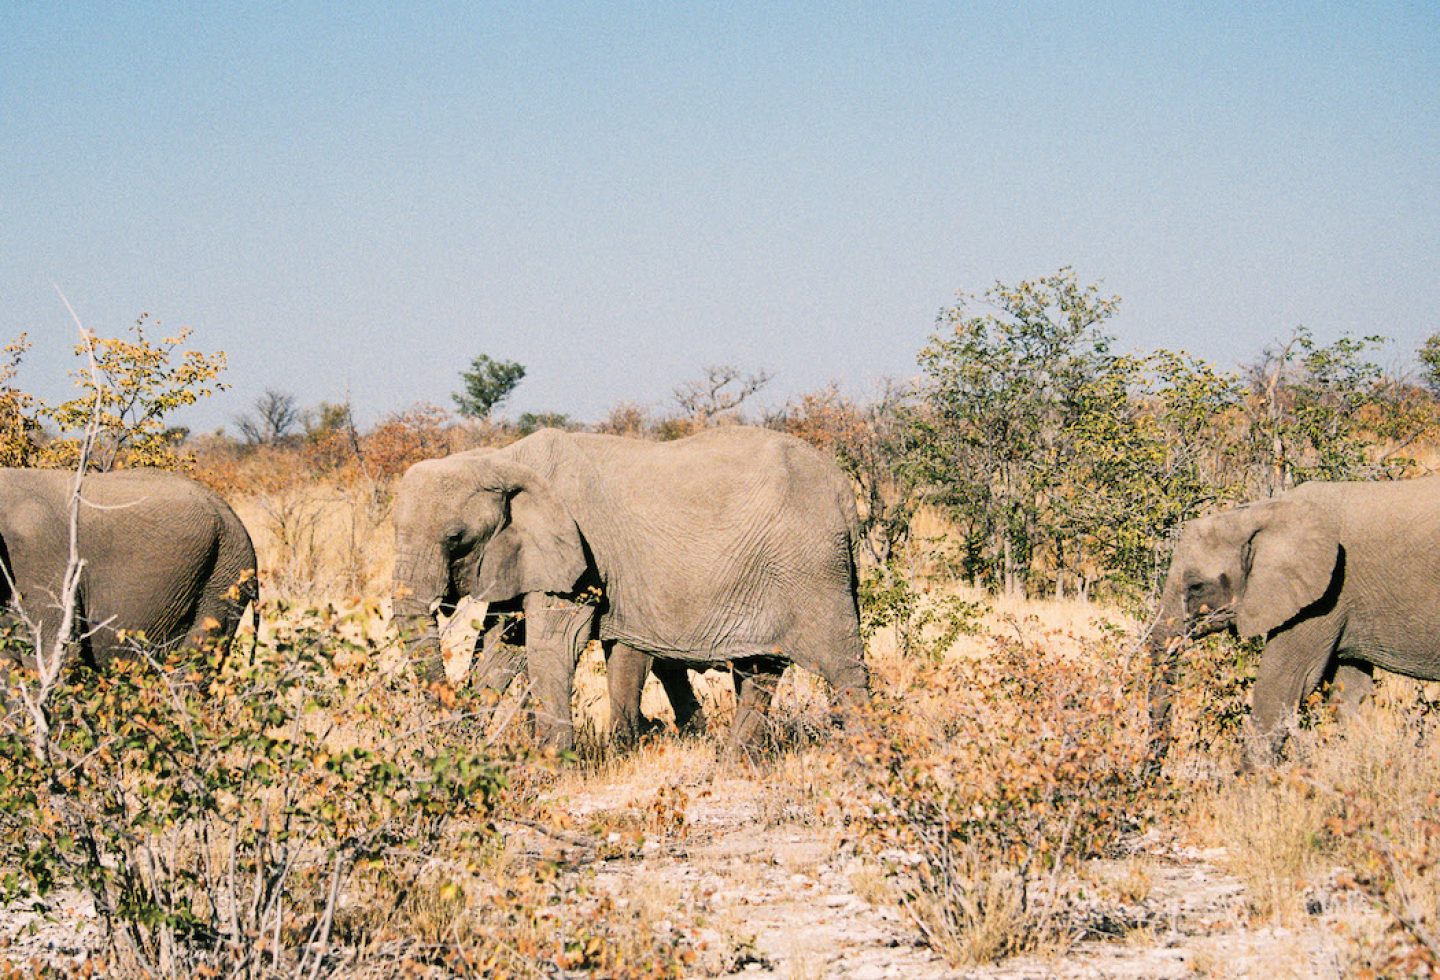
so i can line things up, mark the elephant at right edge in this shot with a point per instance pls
(1339, 578)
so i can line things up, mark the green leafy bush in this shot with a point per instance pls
(232, 813)
(923, 617)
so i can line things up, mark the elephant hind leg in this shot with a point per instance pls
(675, 678)
(833, 649)
(625, 671)
(217, 617)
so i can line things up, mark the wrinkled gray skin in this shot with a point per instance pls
(162, 554)
(735, 544)
(1338, 577)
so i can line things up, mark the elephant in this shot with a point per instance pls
(160, 554)
(1339, 578)
(733, 545)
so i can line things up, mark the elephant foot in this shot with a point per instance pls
(692, 726)
(628, 735)
(1261, 750)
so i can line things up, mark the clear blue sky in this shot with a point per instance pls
(361, 197)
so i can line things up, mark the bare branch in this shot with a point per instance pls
(722, 390)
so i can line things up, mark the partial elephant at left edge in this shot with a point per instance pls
(160, 555)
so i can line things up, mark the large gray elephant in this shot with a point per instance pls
(161, 555)
(1338, 578)
(733, 545)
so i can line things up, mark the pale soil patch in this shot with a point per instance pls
(790, 899)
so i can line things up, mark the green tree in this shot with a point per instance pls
(1329, 412)
(1152, 437)
(999, 387)
(1430, 362)
(487, 384)
(529, 422)
(327, 419)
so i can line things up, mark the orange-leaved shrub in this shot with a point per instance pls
(984, 780)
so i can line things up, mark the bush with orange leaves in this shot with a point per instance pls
(985, 781)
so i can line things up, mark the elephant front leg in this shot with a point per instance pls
(1291, 666)
(625, 672)
(556, 631)
(500, 651)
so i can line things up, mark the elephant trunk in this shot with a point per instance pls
(421, 579)
(1162, 644)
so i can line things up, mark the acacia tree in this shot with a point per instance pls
(276, 418)
(719, 394)
(487, 384)
(1329, 412)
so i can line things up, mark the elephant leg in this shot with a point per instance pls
(217, 616)
(1164, 676)
(841, 661)
(556, 631)
(755, 681)
(1291, 666)
(1350, 684)
(675, 678)
(500, 651)
(625, 672)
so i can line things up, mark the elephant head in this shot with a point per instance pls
(1253, 569)
(477, 523)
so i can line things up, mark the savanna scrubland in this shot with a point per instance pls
(303, 806)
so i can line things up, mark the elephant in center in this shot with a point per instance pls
(735, 544)
(1339, 578)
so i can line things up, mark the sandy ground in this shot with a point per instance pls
(792, 899)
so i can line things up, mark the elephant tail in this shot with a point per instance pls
(254, 623)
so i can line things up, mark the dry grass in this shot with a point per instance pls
(320, 542)
(1352, 818)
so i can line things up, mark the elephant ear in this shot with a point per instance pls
(538, 548)
(1290, 562)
